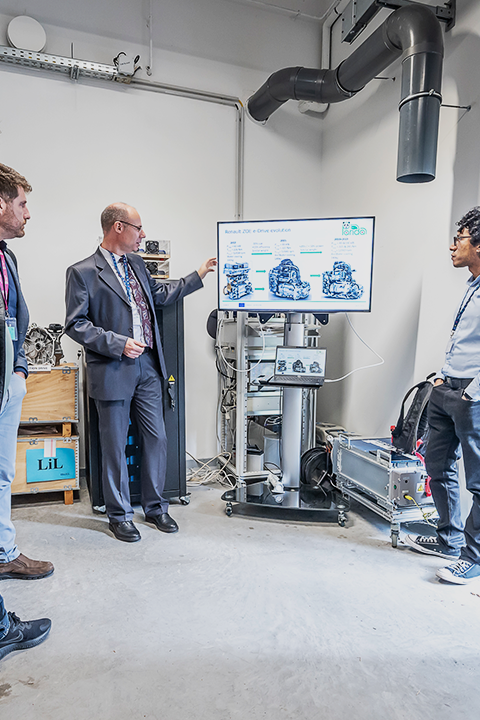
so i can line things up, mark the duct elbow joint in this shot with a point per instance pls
(274, 92)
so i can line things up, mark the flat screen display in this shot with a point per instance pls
(321, 265)
(295, 361)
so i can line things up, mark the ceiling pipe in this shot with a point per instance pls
(412, 31)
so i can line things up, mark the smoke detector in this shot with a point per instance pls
(25, 33)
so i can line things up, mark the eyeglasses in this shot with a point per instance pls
(457, 238)
(137, 227)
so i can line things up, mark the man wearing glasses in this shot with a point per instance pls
(454, 423)
(110, 300)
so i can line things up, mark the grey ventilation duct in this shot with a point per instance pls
(412, 31)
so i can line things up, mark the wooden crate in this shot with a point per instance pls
(52, 397)
(48, 458)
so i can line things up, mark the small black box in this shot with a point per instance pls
(152, 247)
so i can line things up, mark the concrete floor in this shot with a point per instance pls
(237, 618)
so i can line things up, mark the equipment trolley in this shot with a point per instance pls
(391, 483)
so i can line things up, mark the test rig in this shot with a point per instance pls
(267, 431)
(264, 430)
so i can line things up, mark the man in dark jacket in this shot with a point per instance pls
(14, 634)
(14, 320)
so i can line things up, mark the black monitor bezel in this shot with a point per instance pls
(297, 309)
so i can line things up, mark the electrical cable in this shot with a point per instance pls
(426, 516)
(269, 462)
(205, 474)
(218, 346)
(364, 367)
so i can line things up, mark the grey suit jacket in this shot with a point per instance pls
(99, 317)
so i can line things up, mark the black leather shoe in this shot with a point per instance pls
(125, 530)
(164, 522)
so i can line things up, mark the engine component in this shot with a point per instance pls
(56, 330)
(155, 268)
(285, 281)
(39, 346)
(152, 247)
(238, 283)
(298, 367)
(315, 367)
(339, 283)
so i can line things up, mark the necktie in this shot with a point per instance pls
(140, 302)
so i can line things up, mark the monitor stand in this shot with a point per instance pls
(292, 417)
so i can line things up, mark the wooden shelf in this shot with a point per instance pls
(159, 257)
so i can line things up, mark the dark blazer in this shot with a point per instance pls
(99, 317)
(22, 324)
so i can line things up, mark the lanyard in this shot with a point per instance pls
(4, 280)
(126, 279)
(462, 309)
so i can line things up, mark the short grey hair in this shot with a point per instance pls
(112, 213)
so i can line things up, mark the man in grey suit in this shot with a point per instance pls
(110, 300)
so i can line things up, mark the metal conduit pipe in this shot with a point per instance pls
(412, 31)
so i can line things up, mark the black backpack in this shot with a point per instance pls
(413, 426)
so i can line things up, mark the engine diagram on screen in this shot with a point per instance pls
(285, 281)
(238, 285)
(298, 367)
(339, 282)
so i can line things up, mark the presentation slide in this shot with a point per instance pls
(297, 360)
(320, 265)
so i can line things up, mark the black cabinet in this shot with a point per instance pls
(170, 322)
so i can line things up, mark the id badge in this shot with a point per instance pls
(449, 346)
(11, 323)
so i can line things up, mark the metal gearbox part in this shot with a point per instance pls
(39, 346)
(42, 345)
(339, 282)
(285, 281)
(238, 283)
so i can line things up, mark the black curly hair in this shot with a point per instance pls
(471, 221)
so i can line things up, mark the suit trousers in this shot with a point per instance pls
(454, 424)
(146, 409)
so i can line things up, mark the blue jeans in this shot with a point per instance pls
(4, 621)
(9, 420)
(454, 430)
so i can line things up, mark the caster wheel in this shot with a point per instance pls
(185, 500)
(229, 509)
(394, 537)
(342, 519)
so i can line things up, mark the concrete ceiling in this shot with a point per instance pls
(307, 8)
(240, 32)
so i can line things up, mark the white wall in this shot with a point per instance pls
(83, 145)
(415, 290)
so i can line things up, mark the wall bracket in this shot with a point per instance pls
(359, 13)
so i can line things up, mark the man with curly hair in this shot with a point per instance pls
(454, 424)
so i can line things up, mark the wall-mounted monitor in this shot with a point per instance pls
(321, 265)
